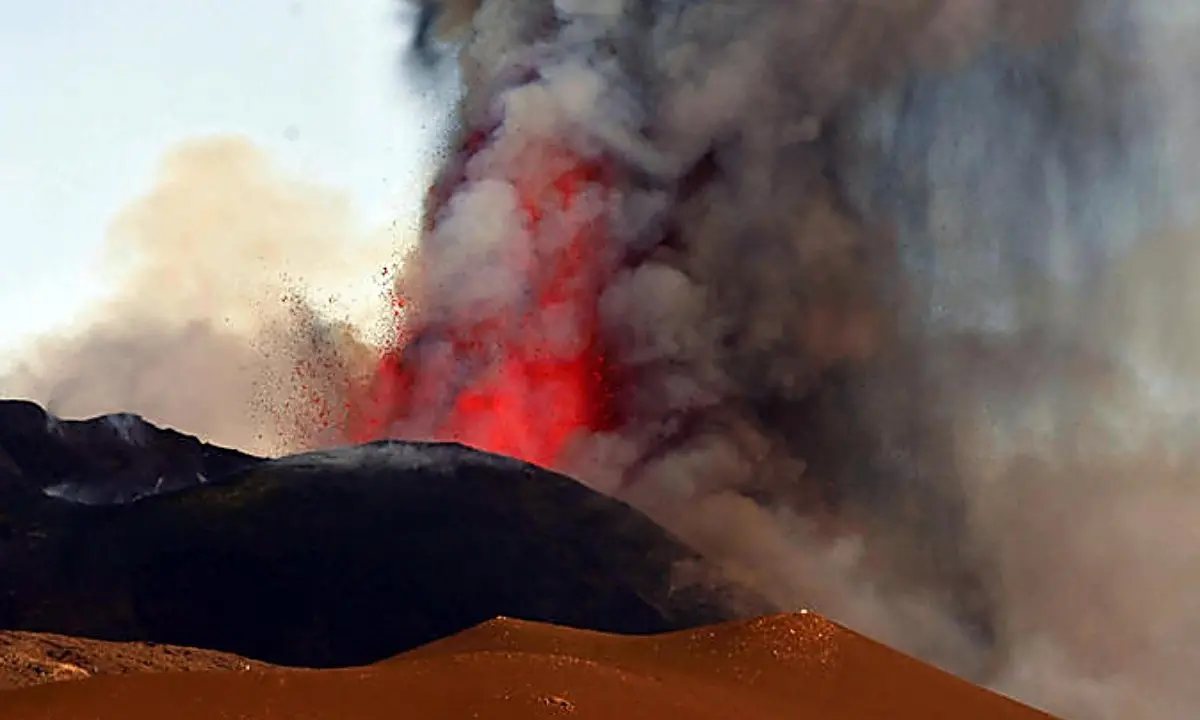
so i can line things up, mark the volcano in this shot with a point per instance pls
(324, 559)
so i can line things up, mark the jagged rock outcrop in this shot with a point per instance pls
(104, 460)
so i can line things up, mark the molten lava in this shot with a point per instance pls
(522, 395)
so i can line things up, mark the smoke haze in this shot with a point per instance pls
(225, 321)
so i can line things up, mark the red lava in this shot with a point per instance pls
(501, 405)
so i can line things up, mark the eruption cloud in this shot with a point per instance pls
(892, 310)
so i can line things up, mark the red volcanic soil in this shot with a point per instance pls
(791, 666)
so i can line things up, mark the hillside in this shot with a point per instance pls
(792, 666)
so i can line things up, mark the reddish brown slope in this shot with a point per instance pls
(35, 658)
(797, 666)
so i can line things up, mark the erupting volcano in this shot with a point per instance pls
(521, 382)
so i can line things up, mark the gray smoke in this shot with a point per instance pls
(911, 318)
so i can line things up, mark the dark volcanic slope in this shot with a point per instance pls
(346, 557)
(107, 459)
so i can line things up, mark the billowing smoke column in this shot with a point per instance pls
(887, 305)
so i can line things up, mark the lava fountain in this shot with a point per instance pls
(525, 379)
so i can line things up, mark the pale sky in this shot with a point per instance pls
(93, 92)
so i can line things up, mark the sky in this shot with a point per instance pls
(94, 92)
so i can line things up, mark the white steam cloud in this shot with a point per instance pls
(919, 348)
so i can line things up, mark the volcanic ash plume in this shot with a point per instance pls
(885, 304)
(215, 326)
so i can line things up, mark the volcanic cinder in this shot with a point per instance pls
(766, 669)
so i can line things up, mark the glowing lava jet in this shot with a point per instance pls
(501, 384)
